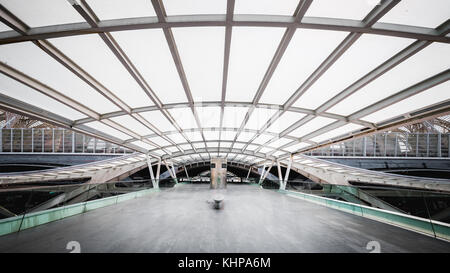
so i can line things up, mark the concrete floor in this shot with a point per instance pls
(181, 219)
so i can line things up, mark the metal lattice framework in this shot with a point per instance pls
(262, 142)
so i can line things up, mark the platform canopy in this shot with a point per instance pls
(243, 79)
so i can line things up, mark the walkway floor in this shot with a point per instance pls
(181, 219)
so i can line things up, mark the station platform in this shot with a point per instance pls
(182, 219)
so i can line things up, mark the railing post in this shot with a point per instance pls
(42, 140)
(407, 145)
(95, 146)
(63, 140)
(84, 139)
(385, 144)
(32, 140)
(439, 145)
(428, 144)
(73, 142)
(11, 144)
(53, 140)
(353, 147)
(375, 145)
(417, 144)
(1, 140)
(364, 146)
(21, 140)
(396, 145)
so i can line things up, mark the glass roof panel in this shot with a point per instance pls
(265, 150)
(97, 125)
(306, 51)
(186, 147)
(38, 13)
(296, 147)
(199, 145)
(348, 128)
(279, 142)
(259, 117)
(348, 9)
(228, 135)
(236, 145)
(190, 7)
(311, 126)
(132, 124)
(252, 50)
(227, 144)
(233, 116)
(177, 138)
(160, 141)
(184, 117)
(201, 52)
(18, 91)
(263, 138)
(245, 136)
(278, 153)
(211, 135)
(4, 27)
(431, 96)
(251, 147)
(92, 54)
(284, 121)
(209, 116)
(285, 7)
(418, 13)
(373, 49)
(426, 63)
(143, 144)
(19, 56)
(213, 144)
(116, 9)
(149, 52)
(194, 136)
(157, 119)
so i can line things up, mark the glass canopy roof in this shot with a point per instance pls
(249, 80)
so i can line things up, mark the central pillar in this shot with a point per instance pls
(218, 173)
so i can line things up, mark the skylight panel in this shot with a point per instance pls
(280, 142)
(252, 50)
(19, 56)
(211, 135)
(278, 153)
(132, 124)
(311, 126)
(233, 116)
(92, 54)
(199, 145)
(344, 9)
(4, 27)
(263, 138)
(265, 150)
(431, 96)
(209, 116)
(228, 135)
(269, 7)
(212, 144)
(186, 147)
(245, 136)
(284, 121)
(201, 52)
(39, 13)
(236, 145)
(426, 63)
(251, 147)
(149, 52)
(177, 138)
(364, 55)
(194, 136)
(160, 141)
(18, 91)
(97, 125)
(259, 118)
(143, 144)
(295, 147)
(306, 51)
(227, 144)
(184, 117)
(418, 13)
(157, 119)
(116, 9)
(195, 7)
(348, 128)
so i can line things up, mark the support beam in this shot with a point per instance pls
(155, 182)
(286, 177)
(185, 170)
